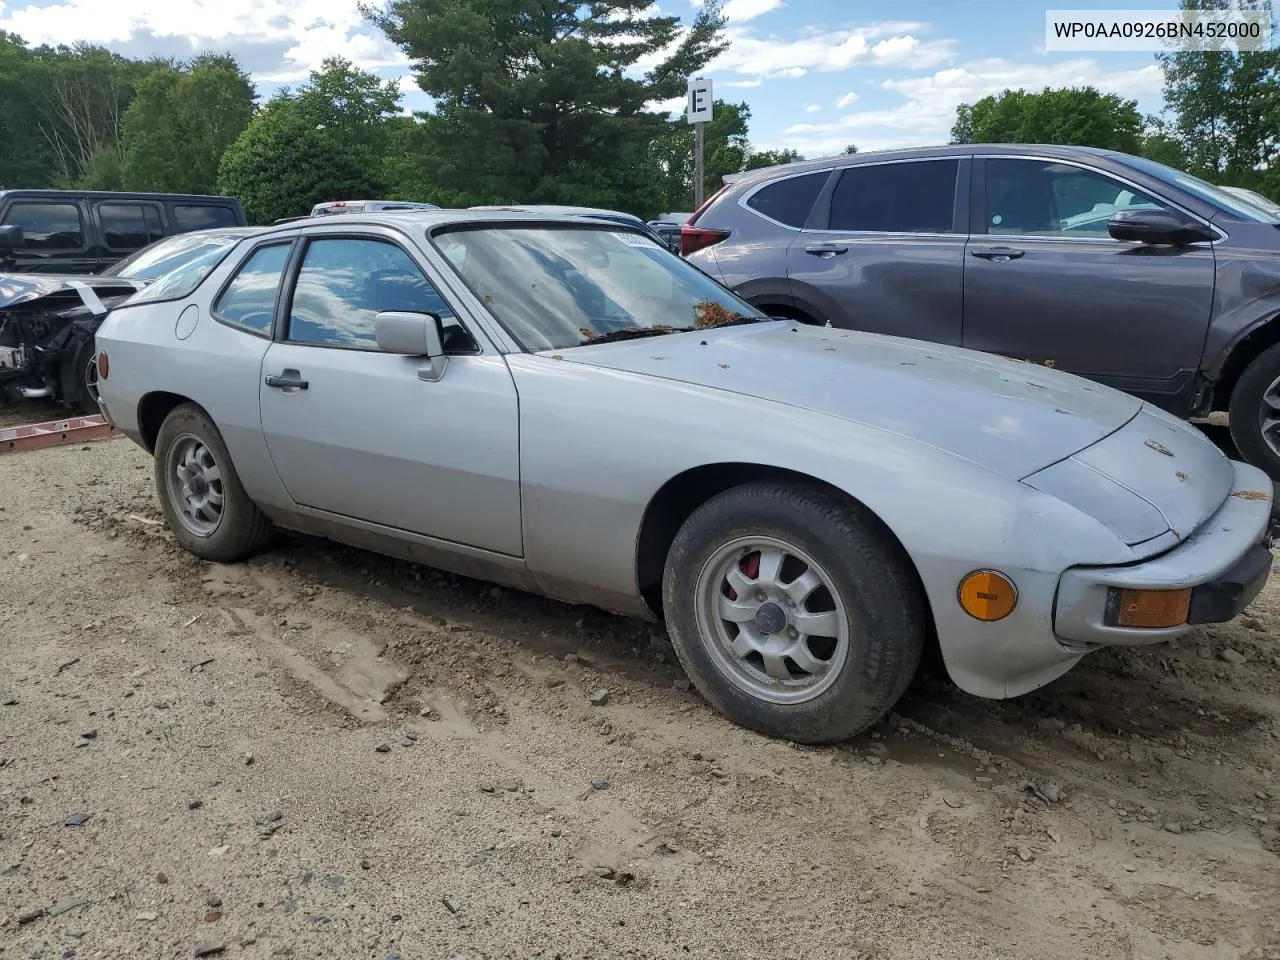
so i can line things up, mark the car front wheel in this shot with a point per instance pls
(1255, 412)
(200, 492)
(792, 611)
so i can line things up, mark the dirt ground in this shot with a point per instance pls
(324, 753)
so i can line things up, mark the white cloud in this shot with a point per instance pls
(787, 73)
(831, 50)
(848, 100)
(741, 83)
(812, 108)
(929, 102)
(313, 29)
(739, 10)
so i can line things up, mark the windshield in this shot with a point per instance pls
(559, 287)
(1219, 197)
(165, 256)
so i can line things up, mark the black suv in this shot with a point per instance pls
(73, 231)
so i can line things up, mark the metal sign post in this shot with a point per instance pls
(699, 114)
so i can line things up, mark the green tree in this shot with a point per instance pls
(1225, 106)
(543, 100)
(26, 156)
(724, 152)
(770, 158)
(850, 150)
(326, 141)
(181, 122)
(1080, 116)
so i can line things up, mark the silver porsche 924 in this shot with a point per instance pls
(564, 407)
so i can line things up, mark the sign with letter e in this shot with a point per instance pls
(699, 100)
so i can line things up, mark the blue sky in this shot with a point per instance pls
(817, 74)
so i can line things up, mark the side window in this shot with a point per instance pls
(47, 226)
(918, 196)
(249, 300)
(789, 201)
(346, 282)
(1055, 199)
(202, 217)
(129, 226)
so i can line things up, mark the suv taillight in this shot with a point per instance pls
(693, 237)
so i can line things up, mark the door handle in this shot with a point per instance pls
(997, 254)
(826, 250)
(287, 380)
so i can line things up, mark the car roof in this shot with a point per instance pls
(50, 194)
(562, 209)
(432, 219)
(917, 153)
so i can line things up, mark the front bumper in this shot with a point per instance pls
(1226, 562)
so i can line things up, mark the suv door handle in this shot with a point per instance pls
(998, 254)
(826, 250)
(288, 380)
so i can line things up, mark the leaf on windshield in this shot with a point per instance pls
(708, 313)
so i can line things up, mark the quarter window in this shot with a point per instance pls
(1045, 198)
(346, 282)
(249, 300)
(789, 201)
(914, 197)
(47, 226)
(202, 217)
(129, 226)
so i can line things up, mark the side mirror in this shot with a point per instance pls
(413, 335)
(1157, 227)
(11, 237)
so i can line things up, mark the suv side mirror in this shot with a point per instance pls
(1156, 226)
(11, 237)
(413, 335)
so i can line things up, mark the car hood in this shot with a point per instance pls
(16, 288)
(1012, 417)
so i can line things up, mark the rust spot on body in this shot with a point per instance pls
(1250, 495)
(1182, 477)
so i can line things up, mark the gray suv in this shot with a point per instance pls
(1106, 265)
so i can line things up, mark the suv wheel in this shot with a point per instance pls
(1255, 412)
(200, 492)
(792, 612)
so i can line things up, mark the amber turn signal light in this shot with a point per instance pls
(987, 595)
(104, 365)
(1148, 609)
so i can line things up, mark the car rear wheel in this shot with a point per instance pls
(200, 492)
(792, 611)
(1255, 412)
(86, 369)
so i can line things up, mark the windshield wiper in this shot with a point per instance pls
(632, 333)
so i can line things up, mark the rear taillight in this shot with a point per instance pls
(693, 237)
(104, 365)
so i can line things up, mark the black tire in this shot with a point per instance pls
(877, 586)
(242, 529)
(85, 379)
(1245, 411)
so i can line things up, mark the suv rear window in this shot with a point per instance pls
(916, 196)
(789, 201)
(202, 217)
(47, 226)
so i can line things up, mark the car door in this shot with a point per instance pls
(1044, 281)
(356, 432)
(56, 238)
(884, 249)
